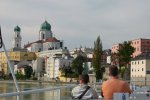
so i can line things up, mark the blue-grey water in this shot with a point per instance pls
(48, 95)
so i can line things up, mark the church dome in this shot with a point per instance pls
(46, 26)
(17, 28)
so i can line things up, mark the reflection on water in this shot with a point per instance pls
(48, 95)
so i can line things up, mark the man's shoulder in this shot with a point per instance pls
(106, 82)
(123, 82)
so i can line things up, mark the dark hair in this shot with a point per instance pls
(84, 77)
(113, 70)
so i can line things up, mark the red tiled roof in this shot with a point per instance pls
(27, 45)
(51, 40)
(43, 41)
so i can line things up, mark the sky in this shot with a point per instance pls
(77, 22)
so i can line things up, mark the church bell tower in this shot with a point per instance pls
(17, 38)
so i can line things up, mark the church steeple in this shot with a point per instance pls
(17, 37)
(45, 31)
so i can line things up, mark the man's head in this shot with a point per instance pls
(84, 78)
(113, 70)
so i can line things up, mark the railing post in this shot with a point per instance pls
(19, 97)
(12, 72)
(59, 94)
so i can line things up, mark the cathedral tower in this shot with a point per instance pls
(17, 38)
(45, 31)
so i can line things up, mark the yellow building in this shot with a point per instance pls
(140, 70)
(15, 57)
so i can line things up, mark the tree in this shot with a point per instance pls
(125, 52)
(28, 71)
(66, 71)
(96, 61)
(125, 55)
(77, 64)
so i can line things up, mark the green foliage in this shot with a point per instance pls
(125, 52)
(19, 75)
(96, 61)
(125, 55)
(66, 71)
(77, 64)
(28, 71)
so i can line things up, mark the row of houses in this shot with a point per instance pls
(48, 54)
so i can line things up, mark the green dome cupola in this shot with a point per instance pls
(17, 29)
(46, 26)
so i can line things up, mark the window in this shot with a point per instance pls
(137, 49)
(132, 69)
(132, 63)
(43, 36)
(142, 62)
(142, 69)
(147, 42)
(135, 62)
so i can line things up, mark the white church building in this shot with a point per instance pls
(46, 40)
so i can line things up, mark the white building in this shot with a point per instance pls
(46, 40)
(140, 68)
(54, 64)
(52, 61)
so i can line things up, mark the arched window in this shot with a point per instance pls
(43, 36)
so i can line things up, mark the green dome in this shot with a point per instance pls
(17, 29)
(46, 26)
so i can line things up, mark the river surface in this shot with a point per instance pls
(8, 87)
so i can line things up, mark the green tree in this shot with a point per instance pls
(19, 75)
(125, 55)
(77, 64)
(96, 61)
(28, 71)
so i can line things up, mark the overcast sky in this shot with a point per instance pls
(77, 22)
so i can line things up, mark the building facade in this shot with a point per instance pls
(15, 57)
(52, 61)
(141, 46)
(140, 69)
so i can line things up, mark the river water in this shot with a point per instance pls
(6, 87)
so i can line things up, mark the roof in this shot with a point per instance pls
(46, 26)
(141, 57)
(17, 29)
(53, 39)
